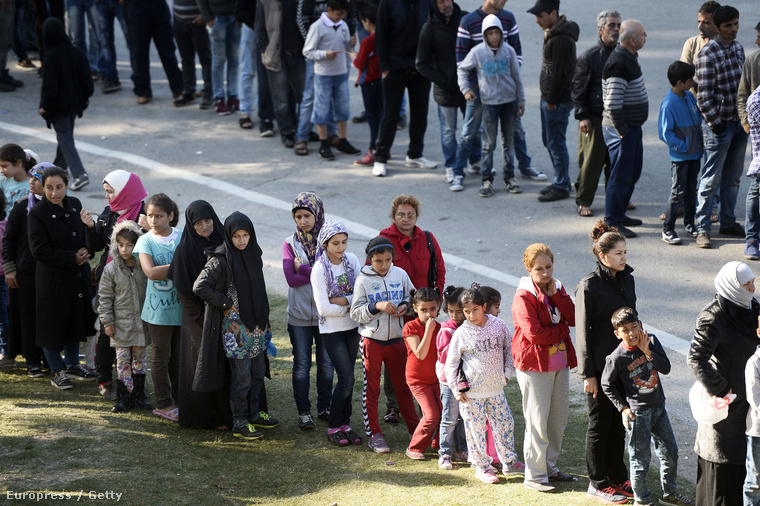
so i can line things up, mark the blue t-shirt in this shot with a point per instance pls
(162, 306)
(14, 190)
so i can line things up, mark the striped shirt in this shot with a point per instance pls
(753, 116)
(186, 10)
(626, 103)
(719, 70)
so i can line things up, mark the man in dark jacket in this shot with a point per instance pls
(397, 30)
(437, 62)
(555, 83)
(587, 98)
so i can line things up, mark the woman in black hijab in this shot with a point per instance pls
(237, 316)
(203, 229)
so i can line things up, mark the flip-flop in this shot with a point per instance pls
(172, 415)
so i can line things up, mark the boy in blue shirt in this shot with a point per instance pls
(680, 128)
(634, 366)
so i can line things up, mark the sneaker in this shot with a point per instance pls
(449, 174)
(378, 445)
(61, 381)
(111, 86)
(361, 118)
(324, 415)
(631, 222)
(690, 230)
(79, 182)
(624, 488)
(401, 123)
(233, 104)
(306, 422)
(512, 186)
(487, 476)
(326, 153)
(540, 487)
(420, 163)
(379, 169)
(34, 372)
(457, 184)
(80, 373)
(186, 98)
(627, 232)
(265, 421)
(288, 140)
(221, 108)
(368, 159)
(206, 103)
(513, 469)
(675, 500)
(670, 237)
(392, 415)
(107, 390)
(554, 194)
(461, 456)
(26, 63)
(751, 251)
(606, 495)
(353, 437)
(346, 147)
(247, 432)
(486, 189)
(444, 462)
(703, 240)
(338, 438)
(266, 128)
(561, 477)
(545, 190)
(473, 169)
(6, 362)
(414, 455)
(734, 230)
(532, 173)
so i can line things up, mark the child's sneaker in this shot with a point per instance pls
(266, 128)
(691, 230)
(265, 421)
(414, 455)
(247, 432)
(61, 381)
(444, 462)
(532, 173)
(326, 153)
(607, 495)
(624, 488)
(752, 249)
(513, 469)
(449, 174)
(324, 415)
(79, 373)
(378, 445)
(368, 159)
(353, 437)
(512, 186)
(393, 415)
(473, 169)
(338, 438)
(460, 456)
(670, 237)
(675, 500)
(379, 169)
(346, 147)
(457, 184)
(306, 422)
(221, 108)
(420, 163)
(486, 189)
(487, 475)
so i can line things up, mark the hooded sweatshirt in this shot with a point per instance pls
(498, 70)
(372, 288)
(558, 62)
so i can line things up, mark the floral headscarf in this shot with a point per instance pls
(329, 230)
(311, 202)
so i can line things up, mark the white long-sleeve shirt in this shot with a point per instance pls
(337, 318)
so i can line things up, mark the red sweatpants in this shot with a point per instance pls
(429, 398)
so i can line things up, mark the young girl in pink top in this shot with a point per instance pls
(419, 335)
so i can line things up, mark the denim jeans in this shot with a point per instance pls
(683, 192)
(372, 96)
(554, 137)
(331, 99)
(752, 481)
(66, 154)
(752, 223)
(107, 11)
(246, 380)
(626, 159)
(225, 48)
(287, 87)
(307, 107)
(470, 147)
(192, 39)
(722, 165)
(250, 67)
(447, 118)
(76, 10)
(70, 356)
(503, 115)
(342, 348)
(302, 339)
(19, 45)
(452, 427)
(652, 424)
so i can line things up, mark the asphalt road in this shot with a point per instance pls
(190, 154)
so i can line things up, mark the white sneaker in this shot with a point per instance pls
(378, 169)
(449, 174)
(420, 163)
(532, 173)
(457, 184)
(473, 169)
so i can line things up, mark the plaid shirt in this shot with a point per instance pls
(719, 70)
(753, 116)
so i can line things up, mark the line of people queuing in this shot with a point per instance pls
(197, 296)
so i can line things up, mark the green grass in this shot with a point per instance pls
(58, 441)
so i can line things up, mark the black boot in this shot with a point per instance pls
(138, 394)
(122, 399)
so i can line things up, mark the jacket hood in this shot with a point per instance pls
(367, 270)
(492, 21)
(124, 225)
(437, 18)
(527, 284)
(564, 27)
(54, 34)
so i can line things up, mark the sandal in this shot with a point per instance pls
(246, 123)
(171, 415)
(301, 148)
(585, 211)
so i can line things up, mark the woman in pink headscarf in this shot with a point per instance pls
(124, 193)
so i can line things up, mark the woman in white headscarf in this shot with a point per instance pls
(725, 338)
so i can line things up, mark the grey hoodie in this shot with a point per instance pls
(499, 79)
(372, 288)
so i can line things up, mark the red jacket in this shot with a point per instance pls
(366, 61)
(534, 331)
(416, 261)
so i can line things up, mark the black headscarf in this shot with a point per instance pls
(189, 257)
(247, 273)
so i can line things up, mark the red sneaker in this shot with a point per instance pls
(368, 159)
(624, 488)
(221, 108)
